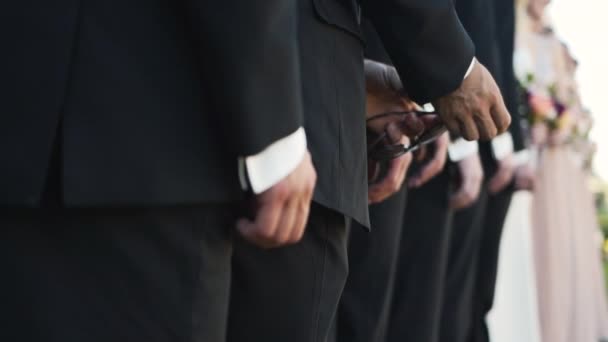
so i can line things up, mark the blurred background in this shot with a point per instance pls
(583, 25)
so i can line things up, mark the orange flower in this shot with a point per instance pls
(542, 107)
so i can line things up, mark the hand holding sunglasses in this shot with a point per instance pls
(383, 147)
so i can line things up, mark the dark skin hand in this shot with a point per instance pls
(476, 109)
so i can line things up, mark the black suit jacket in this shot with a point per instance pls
(491, 24)
(151, 100)
(426, 42)
(504, 14)
(432, 56)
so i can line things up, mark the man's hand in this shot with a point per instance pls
(503, 176)
(525, 177)
(282, 211)
(433, 166)
(476, 110)
(385, 94)
(392, 182)
(471, 175)
(539, 134)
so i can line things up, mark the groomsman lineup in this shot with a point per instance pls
(293, 170)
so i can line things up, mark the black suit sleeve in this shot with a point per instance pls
(504, 14)
(426, 42)
(250, 68)
(491, 25)
(374, 49)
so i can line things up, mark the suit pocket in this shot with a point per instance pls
(342, 14)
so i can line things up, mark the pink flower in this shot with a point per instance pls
(542, 107)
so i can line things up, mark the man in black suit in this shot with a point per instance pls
(478, 229)
(291, 294)
(122, 126)
(368, 298)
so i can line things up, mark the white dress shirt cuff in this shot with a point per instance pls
(529, 156)
(522, 157)
(274, 163)
(502, 146)
(470, 69)
(461, 149)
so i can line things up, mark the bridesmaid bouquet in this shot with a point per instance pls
(562, 119)
(545, 109)
(542, 108)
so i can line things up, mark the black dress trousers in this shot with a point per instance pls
(365, 305)
(420, 275)
(114, 274)
(461, 280)
(132, 275)
(290, 293)
(487, 265)
(124, 275)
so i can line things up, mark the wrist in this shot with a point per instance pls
(470, 69)
(262, 171)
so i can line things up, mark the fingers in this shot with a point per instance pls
(301, 222)
(287, 220)
(262, 230)
(500, 181)
(444, 108)
(500, 115)
(427, 172)
(485, 125)
(460, 199)
(522, 183)
(468, 128)
(393, 180)
(282, 210)
(472, 175)
(408, 105)
(476, 110)
(466, 195)
(387, 186)
(394, 133)
(430, 121)
(412, 125)
(503, 176)
(525, 178)
(420, 154)
(434, 166)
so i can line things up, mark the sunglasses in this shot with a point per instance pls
(381, 148)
